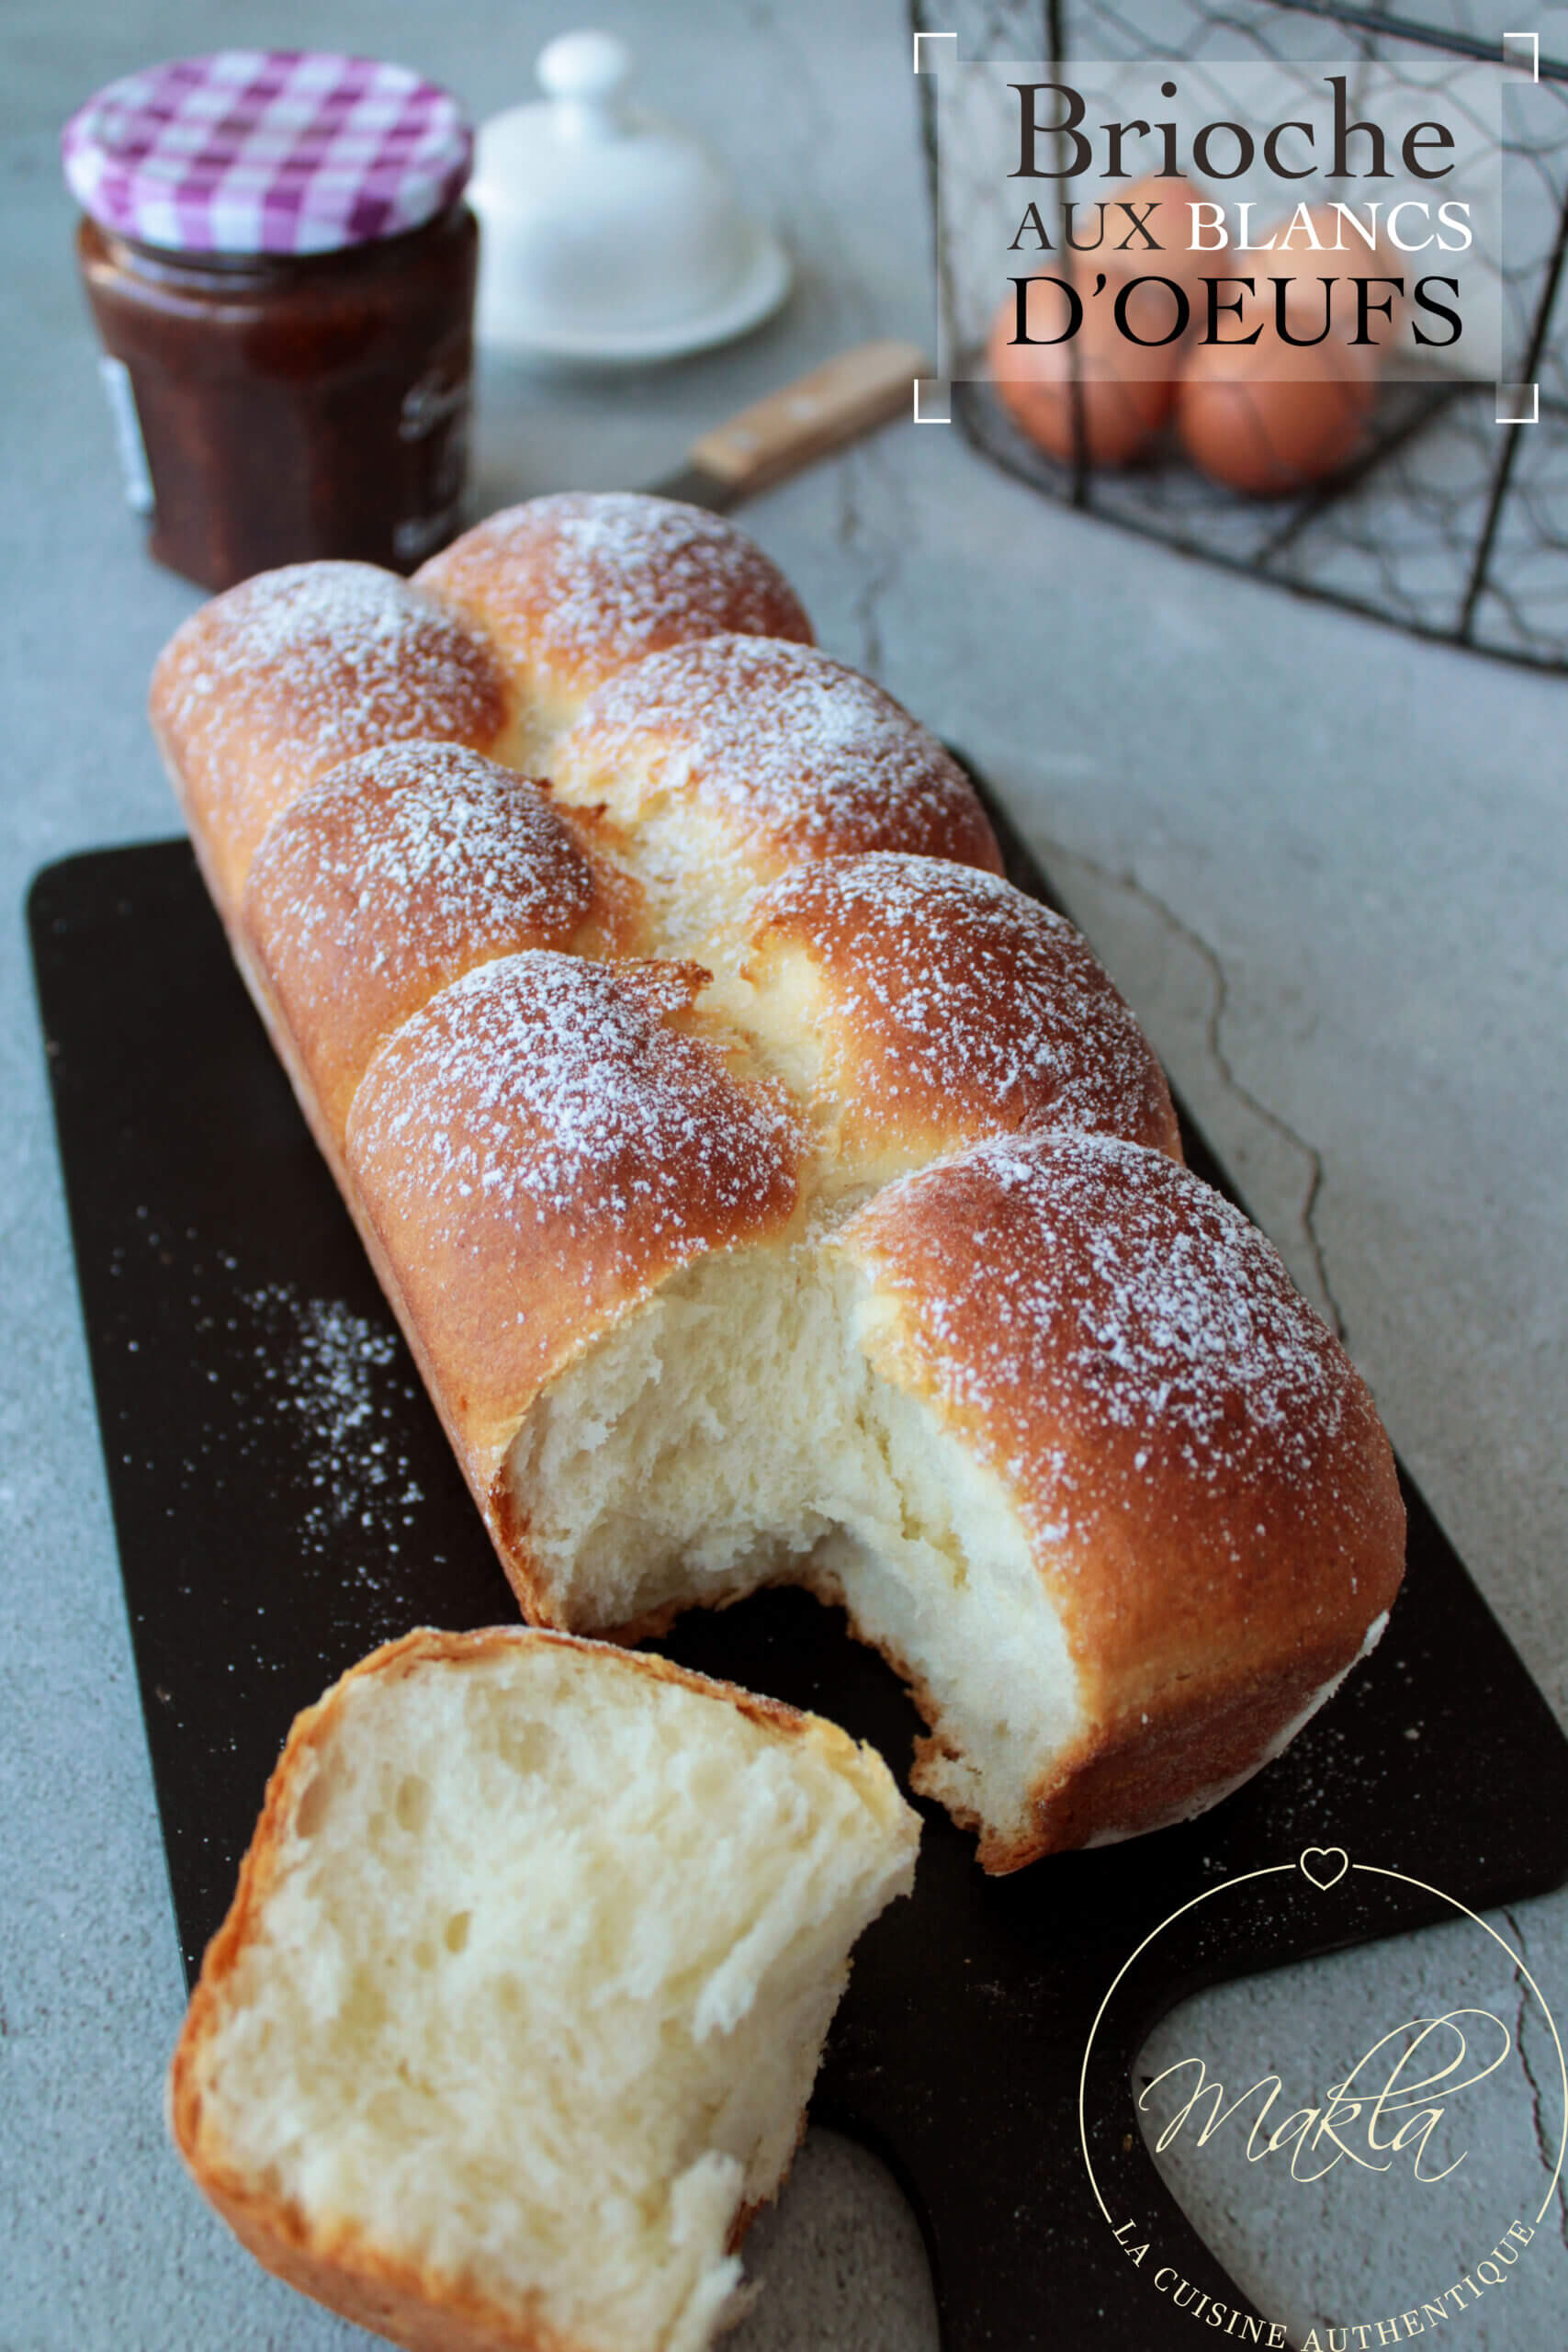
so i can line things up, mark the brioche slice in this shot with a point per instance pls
(516, 2011)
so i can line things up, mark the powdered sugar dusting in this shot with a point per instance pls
(785, 743)
(587, 581)
(420, 855)
(1083, 1283)
(545, 1095)
(266, 687)
(954, 992)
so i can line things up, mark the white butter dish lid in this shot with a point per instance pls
(608, 233)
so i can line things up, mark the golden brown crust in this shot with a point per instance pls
(1203, 1475)
(515, 1558)
(790, 755)
(266, 687)
(1181, 1754)
(401, 871)
(411, 2302)
(537, 1149)
(572, 588)
(538, 1141)
(947, 1006)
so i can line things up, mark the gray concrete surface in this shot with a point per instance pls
(1327, 864)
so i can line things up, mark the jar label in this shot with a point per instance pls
(418, 535)
(132, 449)
(433, 421)
(434, 401)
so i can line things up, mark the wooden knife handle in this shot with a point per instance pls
(835, 403)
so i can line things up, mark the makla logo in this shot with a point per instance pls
(1370, 2153)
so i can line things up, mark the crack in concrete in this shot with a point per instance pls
(1538, 2095)
(812, 128)
(878, 557)
(1125, 879)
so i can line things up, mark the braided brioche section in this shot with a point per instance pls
(766, 1187)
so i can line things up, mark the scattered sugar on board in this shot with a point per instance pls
(320, 1396)
(343, 1385)
(784, 738)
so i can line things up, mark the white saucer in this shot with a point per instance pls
(764, 283)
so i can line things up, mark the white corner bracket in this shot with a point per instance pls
(933, 384)
(1518, 404)
(1533, 38)
(920, 69)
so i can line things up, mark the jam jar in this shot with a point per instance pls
(281, 265)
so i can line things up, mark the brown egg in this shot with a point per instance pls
(1128, 392)
(1171, 226)
(1306, 266)
(1268, 418)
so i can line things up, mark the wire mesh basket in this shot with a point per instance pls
(1449, 522)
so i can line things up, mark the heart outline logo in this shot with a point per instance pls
(1321, 1877)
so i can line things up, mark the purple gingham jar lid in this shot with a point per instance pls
(267, 151)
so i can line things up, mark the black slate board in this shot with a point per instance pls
(284, 1499)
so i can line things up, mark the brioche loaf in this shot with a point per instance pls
(516, 2011)
(767, 1189)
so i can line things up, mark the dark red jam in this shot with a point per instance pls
(292, 406)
